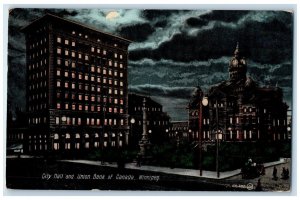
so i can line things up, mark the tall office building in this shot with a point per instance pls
(76, 88)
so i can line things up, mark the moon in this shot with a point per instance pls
(112, 15)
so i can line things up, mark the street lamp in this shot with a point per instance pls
(219, 136)
(204, 102)
(132, 121)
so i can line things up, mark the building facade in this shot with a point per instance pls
(238, 109)
(158, 122)
(76, 88)
(179, 130)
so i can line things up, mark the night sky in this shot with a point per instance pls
(175, 50)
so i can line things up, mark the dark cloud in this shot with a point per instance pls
(224, 15)
(196, 22)
(137, 33)
(158, 14)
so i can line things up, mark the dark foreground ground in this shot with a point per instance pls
(37, 173)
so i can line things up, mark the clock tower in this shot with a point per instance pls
(237, 66)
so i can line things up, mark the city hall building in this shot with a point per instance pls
(238, 109)
(76, 88)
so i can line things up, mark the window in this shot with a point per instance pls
(86, 97)
(67, 42)
(121, 83)
(73, 107)
(110, 63)
(58, 50)
(73, 86)
(80, 76)
(73, 64)
(116, 55)
(58, 105)
(73, 75)
(58, 83)
(86, 77)
(116, 82)
(121, 65)
(116, 64)
(67, 106)
(57, 120)
(104, 52)
(58, 40)
(58, 72)
(79, 55)
(66, 52)
(92, 49)
(92, 78)
(73, 54)
(104, 71)
(116, 101)
(98, 50)
(121, 56)
(79, 121)
(66, 74)
(86, 57)
(98, 108)
(98, 79)
(121, 74)
(66, 84)
(73, 44)
(93, 69)
(80, 107)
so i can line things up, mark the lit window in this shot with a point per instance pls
(121, 83)
(66, 106)
(110, 81)
(66, 52)
(86, 97)
(80, 76)
(116, 82)
(98, 50)
(92, 121)
(122, 121)
(80, 107)
(79, 55)
(58, 40)
(110, 72)
(57, 122)
(121, 101)
(88, 121)
(73, 44)
(73, 64)
(116, 101)
(121, 56)
(92, 68)
(93, 88)
(66, 74)
(73, 32)
(121, 92)
(104, 80)
(73, 107)
(121, 74)
(79, 121)
(93, 98)
(110, 63)
(98, 70)
(109, 91)
(116, 91)
(58, 50)
(73, 54)
(58, 72)
(104, 52)
(66, 84)
(92, 49)
(86, 77)
(67, 42)
(116, 55)
(86, 107)
(104, 71)
(86, 57)
(58, 105)
(98, 121)
(58, 83)
(73, 85)
(116, 64)
(98, 79)
(73, 75)
(121, 65)
(93, 78)
(121, 110)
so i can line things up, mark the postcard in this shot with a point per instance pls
(159, 100)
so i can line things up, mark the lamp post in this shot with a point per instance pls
(204, 102)
(132, 121)
(218, 137)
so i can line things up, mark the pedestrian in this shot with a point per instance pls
(258, 186)
(275, 173)
(283, 173)
(287, 173)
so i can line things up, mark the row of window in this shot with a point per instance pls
(39, 52)
(139, 108)
(92, 78)
(92, 108)
(92, 97)
(67, 84)
(37, 96)
(37, 75)
(64, 120)
(68, 73)
(77, 145)
(36, 107)
(38, 43)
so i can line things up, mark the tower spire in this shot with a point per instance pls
(237, 50)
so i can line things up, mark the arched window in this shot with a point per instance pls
(86, 135)
(56, 136)
(68, 136)
(96, 135)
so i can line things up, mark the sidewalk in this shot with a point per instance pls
(176, 171)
